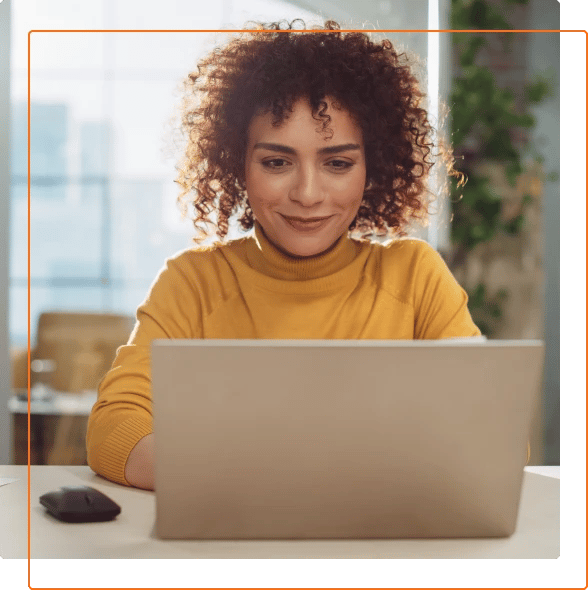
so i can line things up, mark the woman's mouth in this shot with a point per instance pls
(307, 224)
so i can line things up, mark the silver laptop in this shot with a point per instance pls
(333, 439)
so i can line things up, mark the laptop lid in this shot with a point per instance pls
(291, 439)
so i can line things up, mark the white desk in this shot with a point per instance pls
(131, 534)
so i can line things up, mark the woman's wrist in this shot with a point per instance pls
(139, 471)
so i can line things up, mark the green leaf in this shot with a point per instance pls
(539, 90)
(515, 225)
(512, 171)
(472, 47)
(477, 296)
(484, 328)
(495, 311)
(499, 146)
(488, 209)
(527, 121)
(482, 15)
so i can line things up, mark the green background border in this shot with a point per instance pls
(568, 571)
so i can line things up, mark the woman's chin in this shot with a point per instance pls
(308, 250)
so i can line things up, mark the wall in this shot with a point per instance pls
(4, 228)
(543, 52)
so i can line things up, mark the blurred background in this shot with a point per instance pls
(103, 214)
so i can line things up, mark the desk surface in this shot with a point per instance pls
(131, 534)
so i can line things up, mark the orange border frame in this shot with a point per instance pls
(189, 31)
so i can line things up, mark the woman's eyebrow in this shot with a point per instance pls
(332, 149)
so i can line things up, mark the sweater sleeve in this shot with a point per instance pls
(440, 303)
(122, 415)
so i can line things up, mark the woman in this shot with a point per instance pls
(311, 138)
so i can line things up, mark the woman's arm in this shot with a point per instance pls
(120, 424)
(139, 468)
(440, 303)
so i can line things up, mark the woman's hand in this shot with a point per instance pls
(139, 468)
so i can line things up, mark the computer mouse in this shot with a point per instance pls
(80, 504)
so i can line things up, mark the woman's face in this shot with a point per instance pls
(305, 187)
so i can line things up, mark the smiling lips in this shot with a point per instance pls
(307, 224)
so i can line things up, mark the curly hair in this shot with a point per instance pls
(267, 70)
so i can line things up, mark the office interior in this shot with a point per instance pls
(102, 198)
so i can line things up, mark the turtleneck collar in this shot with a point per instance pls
(265, 258)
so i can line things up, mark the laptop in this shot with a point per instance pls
(341, 439)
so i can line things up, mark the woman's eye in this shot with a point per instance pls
(340, 164)
(275, 163)
(280, 163)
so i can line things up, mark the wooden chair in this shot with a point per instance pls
(82, 347)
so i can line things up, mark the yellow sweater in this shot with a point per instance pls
(249, 289)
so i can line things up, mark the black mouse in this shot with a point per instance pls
(80, 504)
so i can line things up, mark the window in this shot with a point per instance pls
(103, 213)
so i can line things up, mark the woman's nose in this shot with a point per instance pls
(307, 190)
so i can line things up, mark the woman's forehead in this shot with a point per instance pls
(298, 124)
